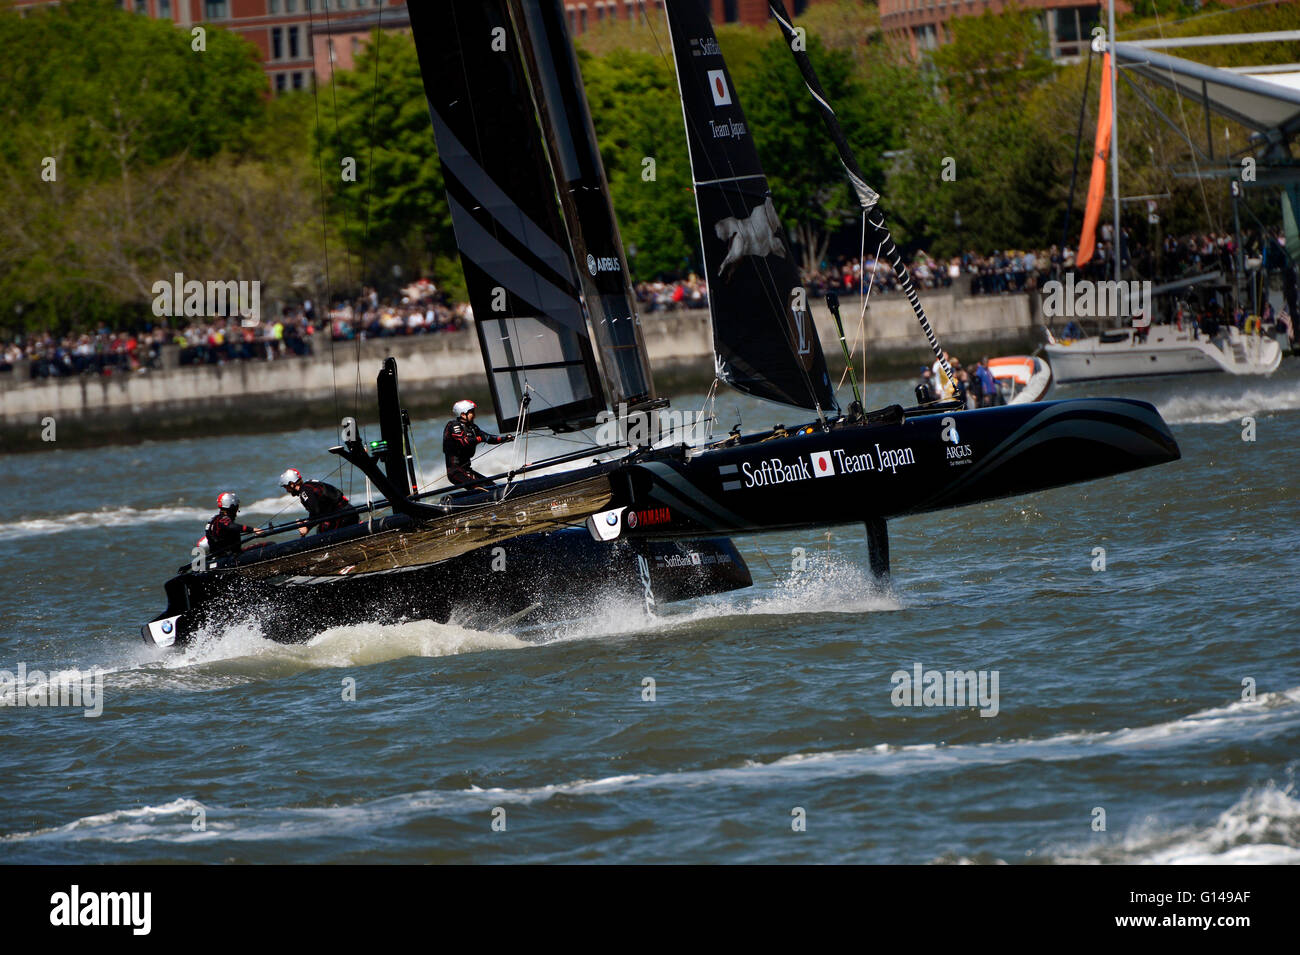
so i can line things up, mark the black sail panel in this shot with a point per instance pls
(523, 287)
(584, 198)
(764, 339)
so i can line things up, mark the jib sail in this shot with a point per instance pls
(513, 244)
(764, 339)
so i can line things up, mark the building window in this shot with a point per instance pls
(297, 81)
(293, 43)
(164, 9)
(729, 12)
(356, 46)
(215, 9)
(273, 6)
(277, 43)
(279, 83)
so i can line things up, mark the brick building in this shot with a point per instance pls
(282, 30)
(586, 14)
(924, 23)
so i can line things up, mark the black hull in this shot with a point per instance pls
(663, 505)
(534, 578)
(885, 469)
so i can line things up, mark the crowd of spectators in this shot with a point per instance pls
(691, 292)
(974, 387)
(1006, 271)
(419, 309)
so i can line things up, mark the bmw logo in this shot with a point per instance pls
(591, 263)
(611, 519)
(167, 626)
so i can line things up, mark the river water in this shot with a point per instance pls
(1147, 712)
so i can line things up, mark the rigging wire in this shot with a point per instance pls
(1205, 199)
(324, 222)
(370, 181)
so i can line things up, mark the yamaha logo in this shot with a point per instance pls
(631, 519)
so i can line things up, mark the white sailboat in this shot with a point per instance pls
(1140, 352)
(1161, 350)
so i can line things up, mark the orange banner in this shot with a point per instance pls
(1097, 185)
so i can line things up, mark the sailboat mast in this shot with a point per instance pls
(1114, 130)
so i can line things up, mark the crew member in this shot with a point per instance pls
(321, 501)
(223, 531)
(460, 439)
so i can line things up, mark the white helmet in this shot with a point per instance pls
(461, 407)
(228, 501)
(290, 476)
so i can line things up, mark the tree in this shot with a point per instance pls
(638, 117)
(803, 168)
(395, 213)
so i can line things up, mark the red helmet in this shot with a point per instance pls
(228, 501)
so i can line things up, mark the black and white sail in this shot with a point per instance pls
(523, 286)
(584, 198)
(764, 339)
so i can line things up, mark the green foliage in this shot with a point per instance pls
(637, 115)
(395, 213)
(993, 60)
(803, 168)
(995, 151)
(126, 90)
(141, 130)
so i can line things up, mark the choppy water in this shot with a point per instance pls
(1119, 690)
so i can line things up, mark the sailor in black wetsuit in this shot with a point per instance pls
(460, 439)
(223, 531)
(321, 500)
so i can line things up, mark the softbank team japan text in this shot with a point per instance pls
(825, 464)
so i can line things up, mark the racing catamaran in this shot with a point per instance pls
(561, 343)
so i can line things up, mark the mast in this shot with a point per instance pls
(1114, 129)
(583, 192)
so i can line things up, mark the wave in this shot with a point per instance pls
(1219, 404)
(1263, 826)
(122, 516)
(241, 653)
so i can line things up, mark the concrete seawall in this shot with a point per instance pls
(260, 395)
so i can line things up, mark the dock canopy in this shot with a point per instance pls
(1263, 102)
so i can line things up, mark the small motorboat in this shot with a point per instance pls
(1022, 378)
